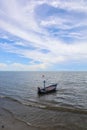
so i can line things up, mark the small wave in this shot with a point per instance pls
(10, 98)
(30, 102)
(34, 104)
(47, 105)
(51, 106)
(67, 109)
(1, 96)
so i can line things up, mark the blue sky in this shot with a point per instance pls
(43, 35)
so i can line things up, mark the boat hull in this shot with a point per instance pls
(49, 89)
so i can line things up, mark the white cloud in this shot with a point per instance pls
(20, 20)
(60, 52)
(23, 67)
(77, 5)
(2, 66)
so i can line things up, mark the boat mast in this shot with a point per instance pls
(44, 83)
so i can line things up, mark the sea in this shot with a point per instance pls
(65, 108)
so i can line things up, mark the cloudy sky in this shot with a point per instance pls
(43, 35)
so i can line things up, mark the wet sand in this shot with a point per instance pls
(7, 122)
(17, 116)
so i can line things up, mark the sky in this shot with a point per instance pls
(43, 35)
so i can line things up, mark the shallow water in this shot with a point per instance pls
(67, 106)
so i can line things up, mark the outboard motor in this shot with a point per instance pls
(39, 90)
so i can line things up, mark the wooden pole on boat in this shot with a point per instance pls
(44, 83)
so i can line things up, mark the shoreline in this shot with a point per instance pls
(17, 116)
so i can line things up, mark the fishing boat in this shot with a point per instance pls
(48, 89)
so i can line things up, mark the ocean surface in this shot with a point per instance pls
(70, 97)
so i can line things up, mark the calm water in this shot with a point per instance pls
(71, 89)
(71, 94)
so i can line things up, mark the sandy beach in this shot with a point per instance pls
(17, 116)
(7, 122)
(10, 121)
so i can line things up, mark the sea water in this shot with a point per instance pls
(70, 97)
